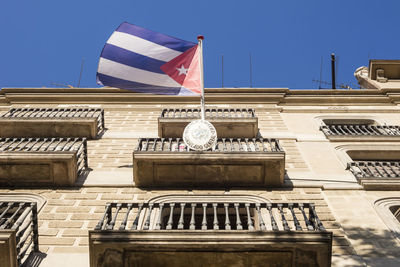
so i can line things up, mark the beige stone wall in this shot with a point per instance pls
(365, 229)
(113, 152)
(315, 173)
(353, 208)
(68, 214)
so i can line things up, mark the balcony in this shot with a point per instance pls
(376, 175)
(18, 232)
(220, 232)
(230, 123)
(235, 162)
(42, 161)
(52, 122)
(361, 132)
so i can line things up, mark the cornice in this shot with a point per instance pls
(329, 100)
(109, 95)
(116, 90)
(277, 96)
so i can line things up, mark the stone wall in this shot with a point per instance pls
(314, 173)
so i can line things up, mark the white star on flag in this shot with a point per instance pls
(182, 70)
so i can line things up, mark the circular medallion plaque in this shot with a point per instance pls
(200, 135)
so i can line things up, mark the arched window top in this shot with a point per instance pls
(23, 197)
(349, 119)
(389, 211)
(181, 198)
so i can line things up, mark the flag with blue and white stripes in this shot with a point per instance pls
(133, 59)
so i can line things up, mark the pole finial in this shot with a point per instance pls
(200, 37)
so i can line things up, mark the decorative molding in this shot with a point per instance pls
(24, 197)
(282, 96)
(178, 198)
(382, 208)
(349, 117)
(342, 150)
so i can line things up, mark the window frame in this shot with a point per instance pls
(382, 207)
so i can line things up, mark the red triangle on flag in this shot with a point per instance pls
(185, 69)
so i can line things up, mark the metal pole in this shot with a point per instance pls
(222, 65)
(80, 73)
(333, 71)
(200, 38)
(251, 71)
(320, 73)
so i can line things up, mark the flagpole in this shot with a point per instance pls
(200, 38)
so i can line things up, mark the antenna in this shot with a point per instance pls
(222, 70)
(337, 68)
(251, 71)
(341, 85)
(320, 73)
(80, 74)
(62, 85)
(333, 71)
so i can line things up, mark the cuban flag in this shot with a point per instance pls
(145, 61)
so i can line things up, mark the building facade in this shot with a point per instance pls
(101, 177)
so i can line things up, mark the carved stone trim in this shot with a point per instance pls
(178, 198)
(24, 197)
(382, 208)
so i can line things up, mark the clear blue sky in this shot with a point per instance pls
(43, 42)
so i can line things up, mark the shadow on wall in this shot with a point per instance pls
(130, 166)
(378, 247)
(288, 180)
(34, 259)
(83, 176)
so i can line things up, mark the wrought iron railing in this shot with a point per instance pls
(223, 145)
(209, 113)
(33, 113)
(375, 169)
(21, 217)
(210, 216)
(360, 130)
(56, 144)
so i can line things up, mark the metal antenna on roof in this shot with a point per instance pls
(80, 74)
(341, 85)
(251, 71)
(337, 68)
(320, 74)
(62, 85)
(333, 71)
(222, 70)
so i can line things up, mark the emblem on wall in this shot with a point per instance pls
(200, 135)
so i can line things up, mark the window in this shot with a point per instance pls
(217, 216)
(396, 211)
(389, 210)
(223, 224)
(374, 163)
(375, 166)
(229, 122)
(18, 214)
(209, 212)
(340, 128)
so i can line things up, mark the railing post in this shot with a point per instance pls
(102, 119)
(101, 221)
(35, 230)
(316, 220)
(171, 216)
